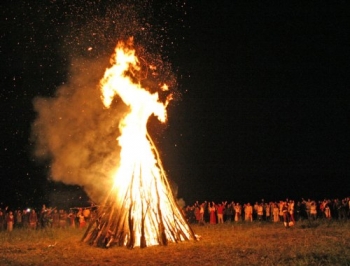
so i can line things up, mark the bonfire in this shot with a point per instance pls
(140, 209)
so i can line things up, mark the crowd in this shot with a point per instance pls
(45, 218)
(286, 211)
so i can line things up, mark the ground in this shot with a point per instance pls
(257, 243)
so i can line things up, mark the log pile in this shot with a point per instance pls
(145, 215)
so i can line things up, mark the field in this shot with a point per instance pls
(307, 243)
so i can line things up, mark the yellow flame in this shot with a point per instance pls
(139, 180)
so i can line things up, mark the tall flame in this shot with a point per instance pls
(136, 150)
(141, 191)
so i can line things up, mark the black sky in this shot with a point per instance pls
(264, 110)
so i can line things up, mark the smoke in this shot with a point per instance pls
(73, 132)
(76, 133)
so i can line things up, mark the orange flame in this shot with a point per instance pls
(140, 184)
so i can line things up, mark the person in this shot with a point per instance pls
(46, 217)
(25, 219)
(322, 206)
(307, 205)
(255, 210)
(313, 210)
(33, 219)
(82, 221)
(86, 213)
(63, 218)
(341, 207)
(327, 209)
(229, 212)
(285, 214)
(238, 211)
(248, 210)
(43, 217)
(190, 216)
(71, 217)
(2, 221)
(345, 212)
(260, 212)
(276, 216)
(196, 213)
(291, 211)
(212, 211)
(55, 219)
(267, 208)
(18, 219)
(220, 211)
(10, 221)
(297, 210)
(206, 212)
(280, 207)
(201, 213)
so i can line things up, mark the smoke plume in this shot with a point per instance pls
(77, 134)
(73, 132)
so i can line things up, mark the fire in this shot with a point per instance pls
(136, 149)
(141, 201)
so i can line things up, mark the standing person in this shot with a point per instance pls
(87, 213)
(307, 205)
(248, 211)
(206, 212)
(196, 213)
(276, 211)
(77, 217)
(44, 216)
(2, 221)
(346, 204)
(280, 207)
(18, 219)
(285, 214)
(327, 209)
(238, 211)
(71, 217)
(63, 218)
(201, 213)
(82, 221)
(220, 211)
(268, 211)
(33, 219)
(255, 210)
(313, 210)
(189, 213)
(10, 221)
(322, 205)
(291, 211)
(260, 212)
(229, 212)
(55, 219)
(297, 209)
(212, 211)
(25, 219)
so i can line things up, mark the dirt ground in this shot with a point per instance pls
(318, 243)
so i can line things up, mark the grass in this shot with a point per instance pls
(316, 243)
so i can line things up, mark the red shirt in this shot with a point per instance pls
(220, 209)
(10, 218)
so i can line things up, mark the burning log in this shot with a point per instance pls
(117, 224)
(140, 209)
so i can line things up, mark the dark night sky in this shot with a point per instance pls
(264, 110)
